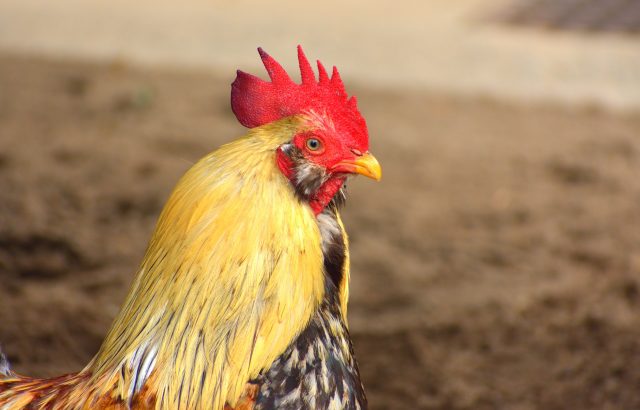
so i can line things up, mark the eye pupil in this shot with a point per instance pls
(313, 144)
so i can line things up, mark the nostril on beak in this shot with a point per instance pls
(356, 152)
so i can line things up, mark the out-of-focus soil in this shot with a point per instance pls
(497, 265)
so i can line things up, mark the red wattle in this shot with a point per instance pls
(325, 194)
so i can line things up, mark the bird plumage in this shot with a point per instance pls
(242, 276)
(318, 370)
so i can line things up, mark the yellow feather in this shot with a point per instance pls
(233, 273)
(346, 274)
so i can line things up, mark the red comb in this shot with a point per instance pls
(256, 102)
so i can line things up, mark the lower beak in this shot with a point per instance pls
(366, 165)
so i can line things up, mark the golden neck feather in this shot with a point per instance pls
(232, 274)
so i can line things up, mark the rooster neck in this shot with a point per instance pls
(232, 275)
(334, 250)
(319, 369)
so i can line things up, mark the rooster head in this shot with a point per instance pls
(331, 141)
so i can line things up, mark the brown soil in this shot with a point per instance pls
(497, 265)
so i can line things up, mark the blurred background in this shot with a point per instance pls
(497, 265)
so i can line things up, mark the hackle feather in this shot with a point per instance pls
(230, 277)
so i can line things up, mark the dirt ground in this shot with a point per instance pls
(496, 266)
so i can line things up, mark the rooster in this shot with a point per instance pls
(240, 301)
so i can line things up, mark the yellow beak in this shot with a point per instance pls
(366, 165)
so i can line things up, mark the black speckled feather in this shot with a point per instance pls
(318, 370)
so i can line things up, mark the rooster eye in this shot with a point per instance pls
(313, 144)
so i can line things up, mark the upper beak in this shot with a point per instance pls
(366, 165)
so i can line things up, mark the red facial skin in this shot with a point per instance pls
(332, 151)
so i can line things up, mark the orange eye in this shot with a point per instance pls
(313, 144)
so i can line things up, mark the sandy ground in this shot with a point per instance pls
(497, 265)
(450, 46)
